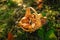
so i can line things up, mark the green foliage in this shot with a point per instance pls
(50, 34)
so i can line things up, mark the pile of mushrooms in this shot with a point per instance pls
(31, 21)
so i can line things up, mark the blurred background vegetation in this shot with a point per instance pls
(12, 11)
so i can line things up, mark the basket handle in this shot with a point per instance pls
(33, 10)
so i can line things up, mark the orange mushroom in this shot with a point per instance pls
(10, 36)
(39, 4)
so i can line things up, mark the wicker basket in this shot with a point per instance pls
(30, 22)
